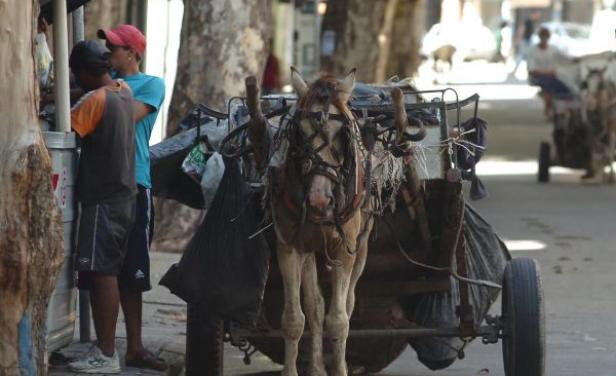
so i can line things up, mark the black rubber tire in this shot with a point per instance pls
(204, 344)
(544, 163)
(523, 318)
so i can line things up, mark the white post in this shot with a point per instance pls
(60, 49)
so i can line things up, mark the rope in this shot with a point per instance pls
(450, 269)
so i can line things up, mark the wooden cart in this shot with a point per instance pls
(429, 224)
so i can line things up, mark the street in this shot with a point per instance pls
(566, 225)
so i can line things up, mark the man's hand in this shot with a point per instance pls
(541, 72)
(42, 25)
(141, 110)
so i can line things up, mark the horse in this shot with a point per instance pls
(599, 97)
(320, 201)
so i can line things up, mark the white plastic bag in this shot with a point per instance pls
(212, 175)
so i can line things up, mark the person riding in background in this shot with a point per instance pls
(127, 45)
(542, 61)
(106, 191)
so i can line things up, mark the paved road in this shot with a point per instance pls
(568, 227)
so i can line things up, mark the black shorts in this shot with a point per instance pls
(135, 273)
(102, 237)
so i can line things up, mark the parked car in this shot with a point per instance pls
(472, 41)
(572, 39)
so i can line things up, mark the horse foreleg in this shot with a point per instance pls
(337, 320)
(360, 263)
(290, 262)
(314, 308)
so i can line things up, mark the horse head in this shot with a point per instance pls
(327, 141)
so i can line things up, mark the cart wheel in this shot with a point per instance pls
(544, 162)
(204, 344)
(523, 319)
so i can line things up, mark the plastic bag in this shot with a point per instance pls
(213, 172)
(224, 268)
(486, 258)
(166, 158)
(194, 163)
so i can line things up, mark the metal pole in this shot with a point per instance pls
(60, 49)
(84, 295)
(451, 332)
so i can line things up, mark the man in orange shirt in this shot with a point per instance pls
(106, 191)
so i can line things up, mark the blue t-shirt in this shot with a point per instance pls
(149, 90)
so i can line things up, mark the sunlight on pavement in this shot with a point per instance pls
(524, 245)
(492, 81)
(508, 168)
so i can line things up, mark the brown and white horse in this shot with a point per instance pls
(319, 205)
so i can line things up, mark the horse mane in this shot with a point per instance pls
(324, 91)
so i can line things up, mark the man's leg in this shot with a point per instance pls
(132, 306)
(547, 103)
(134, 278)
(103, 229)
(105, 302)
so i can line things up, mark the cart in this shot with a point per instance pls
(571, 136)
(424, 254)
(578, 132)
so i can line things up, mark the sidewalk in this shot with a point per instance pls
(164, 327)
(164, 333)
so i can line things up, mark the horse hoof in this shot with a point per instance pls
(318, 371)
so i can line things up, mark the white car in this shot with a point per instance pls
(572, 39)
(472, 41)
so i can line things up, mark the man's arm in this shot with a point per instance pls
(141, 110)
(149, 99)
(87, 113)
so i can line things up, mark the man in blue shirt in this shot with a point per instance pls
(127, 46)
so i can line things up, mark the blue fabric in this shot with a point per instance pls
(27, 360)
(149, 90)
(551, 84)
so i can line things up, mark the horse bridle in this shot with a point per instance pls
(316, 164)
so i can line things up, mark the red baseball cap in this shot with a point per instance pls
(125, 36)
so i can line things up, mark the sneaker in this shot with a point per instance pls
(96, 362)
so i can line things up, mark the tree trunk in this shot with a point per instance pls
(222, 42)
(103, 14)
(404, 59)
(30, 223)
(385, 40)
(357, 25)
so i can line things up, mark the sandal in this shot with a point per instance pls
(146, 359)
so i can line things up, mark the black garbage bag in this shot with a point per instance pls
(223, 271)
(168, 179)
(486, 258)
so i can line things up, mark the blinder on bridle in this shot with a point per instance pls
(312, 162)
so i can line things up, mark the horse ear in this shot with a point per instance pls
(346, 86)
(298, 83)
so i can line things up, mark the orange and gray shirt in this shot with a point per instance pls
(103, 118)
